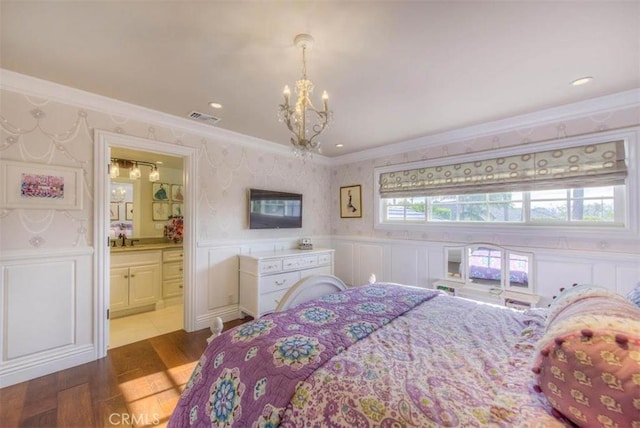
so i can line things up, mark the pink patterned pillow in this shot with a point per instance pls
(588, 362)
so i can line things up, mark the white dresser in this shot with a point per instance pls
(266, 276)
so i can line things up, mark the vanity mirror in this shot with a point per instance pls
(123, 215)
(490, 273)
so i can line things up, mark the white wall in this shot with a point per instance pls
(50, 124)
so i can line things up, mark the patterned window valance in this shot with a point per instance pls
(601, 164)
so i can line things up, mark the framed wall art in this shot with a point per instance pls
(114, 211)
(350, 202)
(177, 210)
(160, 211)
(40, 186)
(161, 191)
(177, 193)
(128, 211)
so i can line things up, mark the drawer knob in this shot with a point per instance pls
(281, 282)
(180, 269)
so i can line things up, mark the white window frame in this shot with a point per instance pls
(631, 193)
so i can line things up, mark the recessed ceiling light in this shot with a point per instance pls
(215, 105)
(159, 162)
(339, 145)
(582, 81)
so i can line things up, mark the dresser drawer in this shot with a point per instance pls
(269, 301)
(172, 255)
(172, 270)
(270, 266)
(282, 281)
(295, 263)
(324, 259)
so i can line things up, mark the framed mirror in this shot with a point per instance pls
(520, 271)
(123, 196)
(454, 266)
(485, 265)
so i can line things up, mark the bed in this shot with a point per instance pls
(382, 355)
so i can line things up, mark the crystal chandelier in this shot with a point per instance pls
(304, 121)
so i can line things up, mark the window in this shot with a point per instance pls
(597, 205)
(579, 183)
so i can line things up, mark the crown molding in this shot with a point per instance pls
(32, 86)
(605, 104)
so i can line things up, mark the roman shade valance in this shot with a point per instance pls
(592, 165)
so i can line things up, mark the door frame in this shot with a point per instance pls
(104, 140)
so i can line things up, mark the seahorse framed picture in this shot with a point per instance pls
(351, 202)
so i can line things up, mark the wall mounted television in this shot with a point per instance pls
(274, 210)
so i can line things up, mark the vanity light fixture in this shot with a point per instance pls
(134, 169)
(114, 169)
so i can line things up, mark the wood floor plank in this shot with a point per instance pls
(41, 396)
(11, 404)
(47, 419)
(75, 407)
(134, 385)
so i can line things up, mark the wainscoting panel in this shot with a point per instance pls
(370, 260)
(47, 313)
(421, 263)
(222, 270)
(46, 289)
(404, 265)
(344, 262)
(627, 277)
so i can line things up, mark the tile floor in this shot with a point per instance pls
(134, 328)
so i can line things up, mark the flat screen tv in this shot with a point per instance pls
(274, 210)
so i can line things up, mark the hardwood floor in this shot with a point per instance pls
(134, 385)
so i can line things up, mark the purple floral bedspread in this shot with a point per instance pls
(449, 362)
(249, 375)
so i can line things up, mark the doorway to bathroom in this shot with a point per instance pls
(146, 221)
(144, 239)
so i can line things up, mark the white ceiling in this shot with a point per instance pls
(394, 70)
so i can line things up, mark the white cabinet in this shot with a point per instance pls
(135, 280)
(266, 277)
(172, 273)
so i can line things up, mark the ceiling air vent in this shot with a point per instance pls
(206, 118)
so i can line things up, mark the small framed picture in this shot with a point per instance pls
(350, 202)
(177, 193)
(114, 211)
(160, 211)
(177, 210)
(161, 191)
(40, 186)
(128, 210)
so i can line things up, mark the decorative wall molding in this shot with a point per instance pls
(39, 253)
(31, 86)
(42, 364)
(594, 106)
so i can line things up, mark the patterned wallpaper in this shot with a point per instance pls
(48, 132)
(362, 173)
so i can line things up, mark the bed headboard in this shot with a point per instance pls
(310, 288)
